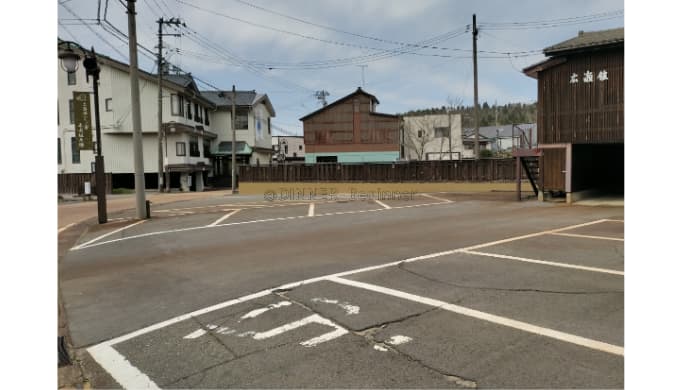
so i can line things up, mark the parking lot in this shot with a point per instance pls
(536, 303)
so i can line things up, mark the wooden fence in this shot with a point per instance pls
(415, 171)
(74, 183)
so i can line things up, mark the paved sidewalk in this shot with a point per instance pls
(76, 212)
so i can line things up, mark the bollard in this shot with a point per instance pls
(148, 209)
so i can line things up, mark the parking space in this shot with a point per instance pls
(541, 310)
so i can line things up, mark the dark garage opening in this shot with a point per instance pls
(127, 180)
(598, 168)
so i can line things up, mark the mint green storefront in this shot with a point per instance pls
(355, 157)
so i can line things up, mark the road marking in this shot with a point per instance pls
(614, 220)
(587, 236)
(243, 223)
(108, 234)
(130, 377)
(380, 348)
(225, 217)
(314, 318)
(527, 327)
(310, 213)
(382, 204)
(398, 339)
(257, 312)
(534, 234)
(127, 375)
(346, 306)
(437, 198)
(544, 262)
(65, 227)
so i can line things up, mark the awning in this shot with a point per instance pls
(224, 148)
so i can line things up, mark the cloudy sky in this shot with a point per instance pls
(413, 54)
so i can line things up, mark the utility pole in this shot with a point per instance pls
(162, 175)
(136, 115)
(363, 85)
(474, 61)
(234, 187)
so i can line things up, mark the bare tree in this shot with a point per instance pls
(419, 132)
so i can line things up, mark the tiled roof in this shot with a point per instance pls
(586, 40)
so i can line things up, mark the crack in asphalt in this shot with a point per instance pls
(402, 267)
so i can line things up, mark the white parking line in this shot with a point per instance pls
(437, 198)
(225, 217)
(587, 236)
(247, 222)
(544, 262)
(65, 227)
(310, 212)
(382, 204)
(129, 376)
(555, 334)
(107, 234)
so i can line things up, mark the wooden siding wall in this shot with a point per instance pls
(466, 170)
(335, 126)
(74, 183)
(582, 112)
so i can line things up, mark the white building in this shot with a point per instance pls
(253, 129)
(288, 148)
(195, 127)
(433, 137)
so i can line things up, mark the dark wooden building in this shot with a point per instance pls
(580, 116)
(349, 130)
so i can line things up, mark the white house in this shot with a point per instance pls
(253, 130)
(433, 137)
(288, 148)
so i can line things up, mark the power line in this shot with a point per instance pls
(67, 8)
(541, 24)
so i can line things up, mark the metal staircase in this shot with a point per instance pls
(527, 158)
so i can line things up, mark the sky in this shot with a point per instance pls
(409, 54)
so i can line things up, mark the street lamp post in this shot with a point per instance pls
(69, 63)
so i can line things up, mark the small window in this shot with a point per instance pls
(181, 149)
(71, 112)
(59, 150)
(207, 117)
(420, 134)
(299, 147)
(108, 103)
(71, 78)
(269, 125)
(177, 105)
(440, 132)
(285, 149)
(193, 147)
(189, 116)
(75, 152)
(241, 119)
(197, 110)
(206, 148)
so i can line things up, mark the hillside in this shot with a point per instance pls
(488, 115)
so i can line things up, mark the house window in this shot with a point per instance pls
(420, 134)
(189, 116)
(269, 125)
(241, 121)
(206, 148)
(299, 147)
(177, 105)
(285, 149)
(59, 150)
(71, 78)
(108, 103)
(193, 147)
(207, 117)
(71, 112)
(441, 132)
(181, 149)
(75, 152)
(198, 110)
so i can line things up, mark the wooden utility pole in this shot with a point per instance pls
(140, 196)
(474, 61)
(234, 187)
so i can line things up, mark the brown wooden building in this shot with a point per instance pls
(349, 130)
(580, 116)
